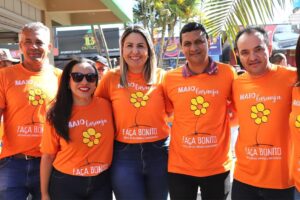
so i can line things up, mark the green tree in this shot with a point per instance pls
(226, 16)
(144, 12)
(162, 16)
(172, 12)
(218, 16)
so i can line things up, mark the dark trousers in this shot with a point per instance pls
(63, 186)
(248, 192)
(185, 187)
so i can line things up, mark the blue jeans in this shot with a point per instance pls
(19, 178)
(64, 186)
(297, 195)
(139, 171)
(248, 192)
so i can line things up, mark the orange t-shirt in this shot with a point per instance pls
(89, 151)
(295, 130)
(263, 145)
(24, 96)
(139, 110)
(200, 135)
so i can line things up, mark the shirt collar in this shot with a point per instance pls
(211, 69)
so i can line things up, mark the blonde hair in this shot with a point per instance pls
(150, 66)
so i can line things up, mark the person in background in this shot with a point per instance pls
(24, 94)
(169, 68)
(279, 59)
(78, 140)
(199, 92)
(295, 125)
(6, 59)
(262, 99)
(239, 70)
(141, 142)
(113, 62)
(101, 65)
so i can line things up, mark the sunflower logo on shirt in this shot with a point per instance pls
(260, 114)
(297, 122)
(199, 106)
(139, 99)
(36, 96)
(91, 137)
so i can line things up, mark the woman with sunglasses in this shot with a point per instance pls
(78, 139)
(141, 142)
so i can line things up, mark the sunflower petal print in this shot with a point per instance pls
(297, 122)
(36, 96)
(139, 99)
(259, 113)
(199, 106)
(91, 137)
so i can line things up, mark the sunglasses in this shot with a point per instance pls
(78, 77)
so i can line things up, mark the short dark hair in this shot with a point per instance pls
(60, 112)
(249, 30)
(277, 58)
(192, 26)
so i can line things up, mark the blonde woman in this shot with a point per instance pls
(139, 167)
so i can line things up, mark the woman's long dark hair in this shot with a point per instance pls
(297, 57)
(60, 112)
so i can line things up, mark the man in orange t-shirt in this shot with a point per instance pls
(262, 98)
(199, 92)
(25, 90)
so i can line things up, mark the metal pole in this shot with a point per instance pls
(98, 46)
(105, 45)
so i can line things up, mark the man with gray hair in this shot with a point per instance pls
(25, 91)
